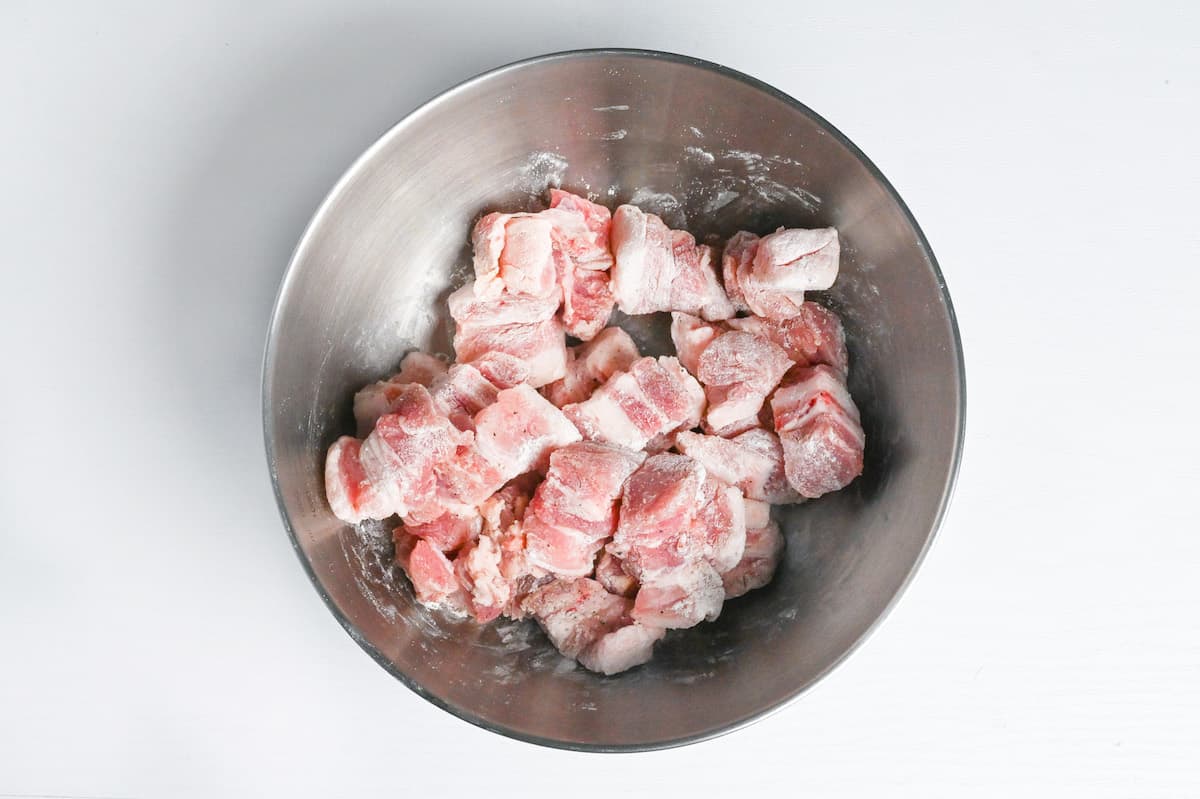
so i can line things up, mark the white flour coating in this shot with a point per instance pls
(720, 200)
(611, 108)
(700, 154)
(542, 170)
(695, 131)
(664, 204)
(615, 135)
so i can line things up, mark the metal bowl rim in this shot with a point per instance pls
(319, 217)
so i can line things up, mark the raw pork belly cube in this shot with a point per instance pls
(752, 461)
(590, 250)
(478, 570)
(587, 301)
(653, 398)
(813, 336)
(432, 576)
(612, 575)
(351, 495)
(621, 649)
(592, 363)
(448, 533)
(659, 269)
(574, 510)
(769, 276)
(658, 511)
(375, 400)
(739, 371)
(721, 524)
(576, 613)
(400, 454)
(542, 346)
(764, 548)
(818, 425)
(461, 393)
(514, 254)
(691, 335)
(519, 430)
(681, 597)
(467, 308)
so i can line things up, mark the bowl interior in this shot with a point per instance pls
(711, 151)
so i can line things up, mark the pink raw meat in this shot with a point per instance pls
(519, 430)
(576, 613)
(818, 425)
(400, 454)
(587, 302)
(691, 335)
(477, 568)
(764, 548)
(661, 501)
(375, 400)
(581, 232)
(612, 575)
(737, 258)
(739, 371)
(591, 250)
(752, 461)
(681, 597)
(574, 509)
(467, 308)
(542, 346)
(514, 255)
(351, 495)
(813, 336)
(656, 396)
(621, 649)
(659, 269)
(785, 265)
(758, 514)
(461, 393)
(591, 364)
(721, 524)
(433, 578)
(448, 533)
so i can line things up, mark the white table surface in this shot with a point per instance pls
(157, 163)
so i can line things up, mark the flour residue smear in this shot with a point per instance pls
(542, 170)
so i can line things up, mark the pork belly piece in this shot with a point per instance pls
(621, 649)
(813, 336)
(591, 364)
(656, 396)
(587, 301)
(517, 432)
(400, 454)
(739, 370)
(691, 335)
(375, 400)
(752, 461)
(461, 393)
(576, 613)
(612, 575)
(681, 597)
(819, 428)
(764, 548)
(448, 532)
(770, 275)
(589, 248)
(721, 524)
(478, 570)
(432, 575)
(467, 308)
(658, 511)
(514, 254)
(574, 510)
(542, 346)
(352, 497)
(659, 269)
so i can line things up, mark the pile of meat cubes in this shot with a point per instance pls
(607, 495)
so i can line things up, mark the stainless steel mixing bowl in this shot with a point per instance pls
(712, 151)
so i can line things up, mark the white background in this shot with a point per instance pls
(158, 636)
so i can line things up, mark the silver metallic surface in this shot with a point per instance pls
(713, 151)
